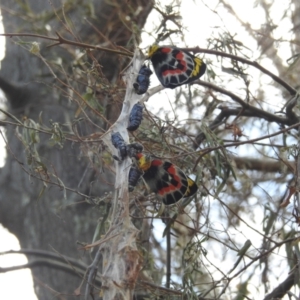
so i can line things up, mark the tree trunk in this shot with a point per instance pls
(54, 217)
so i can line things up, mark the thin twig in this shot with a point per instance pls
(168, 262)
(92, 272)
(60, 40)
(256, 65)
(236, 144)
(259, 112)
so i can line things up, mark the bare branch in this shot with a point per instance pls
(282, 288)
(60, 41)
(92, 273)
(235, 144)
(277, 79)
(251, 110)
(48, 255)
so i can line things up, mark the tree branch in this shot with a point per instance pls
(60, 41)
(49, 255)
(252, 110)
(256, 65)
(92, 274)
(265, 165)
(166, 291)
(282, 288)
(226, 112)
(121, 259)
(235, 144)
(46, 263)
(245, 110)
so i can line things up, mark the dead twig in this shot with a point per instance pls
(61, 40)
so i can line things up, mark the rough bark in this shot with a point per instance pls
(54, 221)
